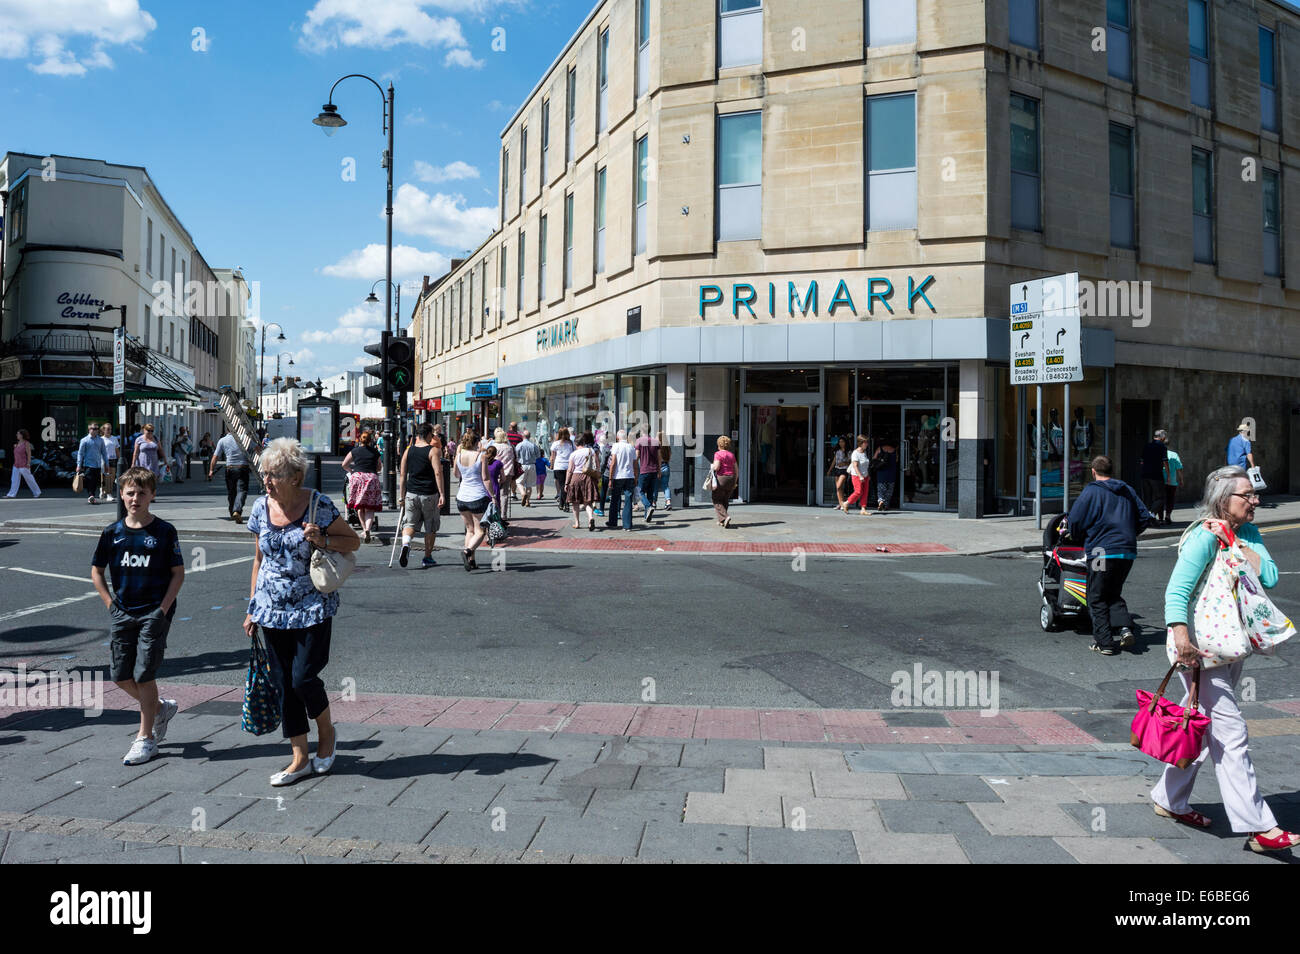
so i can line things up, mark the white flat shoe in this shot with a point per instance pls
(280, 779)
(322, 766)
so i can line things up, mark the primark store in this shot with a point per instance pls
(705, 231)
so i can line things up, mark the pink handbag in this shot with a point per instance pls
(1167, 732)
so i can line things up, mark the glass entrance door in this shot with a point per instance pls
(781, 453)
(912, 431)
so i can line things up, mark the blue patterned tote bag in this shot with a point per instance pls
(262, 703)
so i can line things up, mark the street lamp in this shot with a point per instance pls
(396, 289)
(121, 408)
(330, 122)
(261, 376)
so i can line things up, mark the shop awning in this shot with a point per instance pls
(76, 388)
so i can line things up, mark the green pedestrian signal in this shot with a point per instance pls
(401, 363)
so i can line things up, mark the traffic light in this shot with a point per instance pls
(400, 374)
(380, 370)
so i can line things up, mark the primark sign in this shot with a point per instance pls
(806, 300)
(561, 334)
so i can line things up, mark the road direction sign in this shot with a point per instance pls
(119, 361)
(1045, 330)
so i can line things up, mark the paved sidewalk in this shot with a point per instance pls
(198, 511)
(414, 787)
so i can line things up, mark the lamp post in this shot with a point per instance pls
(121, 408)
(261, 378)
(330, 121)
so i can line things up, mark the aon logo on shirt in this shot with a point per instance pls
(129, 559)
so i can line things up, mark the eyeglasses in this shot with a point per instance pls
(1254, 497)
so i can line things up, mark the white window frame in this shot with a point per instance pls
(148, 259)
(721, 187)
(571, 111)
(546, 135)
(602, 81)
(890, 11)
(898, 172)
(568, 241)
(642, 47)
(519, 300)
(640, 203)
(732, 24)
(541, 260)
(601, 197)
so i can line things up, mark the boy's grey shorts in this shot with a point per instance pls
(138, 642)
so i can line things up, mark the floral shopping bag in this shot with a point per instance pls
(1266, 626)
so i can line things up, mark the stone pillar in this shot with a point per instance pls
(975, 430)
(677, 427)
(710, 418)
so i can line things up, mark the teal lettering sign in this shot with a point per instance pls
(559, 335)
(801, 299)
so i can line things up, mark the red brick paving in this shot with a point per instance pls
(866, 726)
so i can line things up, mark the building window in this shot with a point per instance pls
(1024, 23)
(171, 337)
(568, 241)
(740, 176)
(519, 290)
(1267, 80)
(642, 191)
(501, 288)
(462, 332)
(541, 262)
(602, 82)
(1198, 31)
(570, 113)
(483, 293)
(18, 214)
(162, 264)
(1119, 61)
(600, 221)
(148, 319)
(148, 258)
(891, 162)
(890, 22)
(1122, 220)
(1202, 206)
(523, 162)
(505, 177)
(160, 327)
(469, 306)
(642, 47)
(1272, 223)
(546, 135)
(740, 33)
(1025, 168)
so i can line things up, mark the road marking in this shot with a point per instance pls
(946, 578)
(60, 576)
(42, 607)
(1289, 526)
(217, 566)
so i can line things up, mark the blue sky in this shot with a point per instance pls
(226, 132)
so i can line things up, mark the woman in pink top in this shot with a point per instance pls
(23, 466)
(724, 475)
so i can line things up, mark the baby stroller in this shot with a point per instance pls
(1063, 584)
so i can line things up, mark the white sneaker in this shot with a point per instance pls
(142, 750)
(166, 709)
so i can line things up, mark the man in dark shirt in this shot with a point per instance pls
(1155, 469)
(647, 462)
(1107, 518)
(513, 435)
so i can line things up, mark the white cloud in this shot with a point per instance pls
(462, 57)
(46, 30)
(368, 263)
(496, 105)
(451, 171)
(380, 24)
(446, 219)
(415, 117)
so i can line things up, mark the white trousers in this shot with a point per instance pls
(1228, 745)
(23, 473)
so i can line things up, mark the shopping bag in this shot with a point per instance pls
(1215, 621)
(1256, 479)
(78, 484)
(1266, 626)
(1167, 732)
(492, 522)
(262, 702)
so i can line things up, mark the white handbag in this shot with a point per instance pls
(329, 569)
(1256, 479)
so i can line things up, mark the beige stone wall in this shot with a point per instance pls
(684, 179)
(952, 155)
(1067, 27)
(584, 219)
(1234, 65)
(1160, 57)
(619, 181)
(584, 127)
(1076, 182)
(804, 35)
(946, 24)
(812, 168)
(1165, 196)
(687, 41)
(622, 59)
(1238, 218)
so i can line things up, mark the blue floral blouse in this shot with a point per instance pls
(284, 597)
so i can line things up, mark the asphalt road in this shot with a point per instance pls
(709, 630)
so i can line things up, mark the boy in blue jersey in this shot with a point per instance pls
(143, 554)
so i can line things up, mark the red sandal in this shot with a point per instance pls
(1195, 819)
(1282, 842)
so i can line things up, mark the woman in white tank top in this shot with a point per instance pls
(472, 497)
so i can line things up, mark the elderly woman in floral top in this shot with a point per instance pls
(295, 617)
